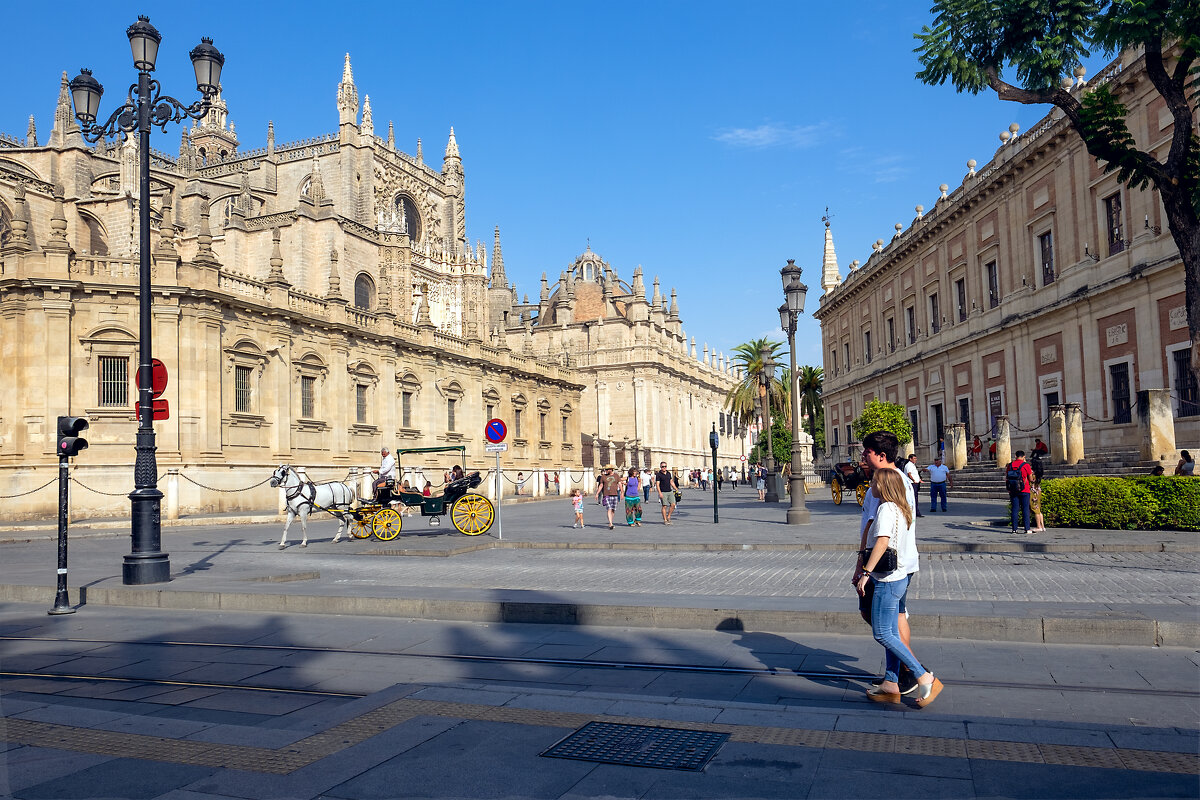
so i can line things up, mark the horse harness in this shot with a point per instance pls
(302, 491)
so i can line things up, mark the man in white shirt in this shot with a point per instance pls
(879, 452)
(386, 471)
(914, 474)
(939, 479)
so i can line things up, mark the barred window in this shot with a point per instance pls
(360, 392)
(542, 427)
(308, 404)
(517, 423)
(1046, 248)
(564, 432)
(241, 389)
(451, 404)
(114, 381)
(993, 284)
(406, 409)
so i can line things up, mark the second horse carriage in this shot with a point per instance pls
(850, 476)
(471, 514)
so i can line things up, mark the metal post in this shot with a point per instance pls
(772, 493)
(797, 513)
(62, 605)
(145, 564)
(499, 498)
(714, 481)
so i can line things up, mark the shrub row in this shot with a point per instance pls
(1136, 503)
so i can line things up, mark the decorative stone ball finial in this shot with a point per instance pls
(1004, 137)
(920, 209)
(943, 188)
(971, 166)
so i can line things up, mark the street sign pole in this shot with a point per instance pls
(61, 604)
(494, 431)
(499, 500)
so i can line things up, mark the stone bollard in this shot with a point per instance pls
(1157, 424)
(173, 493)
(956, 445)
(1058, 435)
(1074, 417)
(1003, 442)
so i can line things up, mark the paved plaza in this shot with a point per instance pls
(369, 669)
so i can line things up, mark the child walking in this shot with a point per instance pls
(577, 504)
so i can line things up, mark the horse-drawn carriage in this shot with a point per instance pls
(849, 476)
(471, 514)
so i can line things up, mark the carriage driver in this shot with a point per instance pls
(386, 471)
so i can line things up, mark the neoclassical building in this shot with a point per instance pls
(312, 301)
(1041, 280)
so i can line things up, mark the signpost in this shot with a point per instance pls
(158, 385)
(494, 432)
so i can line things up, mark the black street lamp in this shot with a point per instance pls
(794, 292)
(764, 378)
(145, 106)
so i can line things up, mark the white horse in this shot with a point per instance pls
(303, 496)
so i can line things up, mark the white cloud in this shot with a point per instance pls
(772, 135)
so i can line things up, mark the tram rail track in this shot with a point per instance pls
(580, 663)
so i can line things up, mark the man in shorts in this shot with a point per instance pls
(608, 491)
(666, 484)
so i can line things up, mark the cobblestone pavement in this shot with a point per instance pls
(1153, 578)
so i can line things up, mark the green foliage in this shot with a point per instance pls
(781, 443)
(1178, 499)
(878, 415)
(743, 399)
(1110, 503)
(809, 386)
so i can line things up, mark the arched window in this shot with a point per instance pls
(91, 235)
(5, 224)
(364, 292)
(407, 214)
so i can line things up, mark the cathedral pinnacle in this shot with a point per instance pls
(830, 275)
(270, 137)
(335, 277)
(674, 312)
(368, 123)
(545, 293)
(31, 133)
(451, 146)
(498, 278)
(347, 97)
(276, 273)
(420, 158)
(65, 130)
(391, 137)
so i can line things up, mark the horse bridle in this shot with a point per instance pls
(298, 490)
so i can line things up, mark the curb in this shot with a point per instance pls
(1038, 629)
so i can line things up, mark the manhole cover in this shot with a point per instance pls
(639, 746)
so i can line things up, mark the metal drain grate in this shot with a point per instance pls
(639, 746)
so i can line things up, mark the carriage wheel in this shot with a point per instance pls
(360, 527)
(836, 488)
(860, 492)
(472, 514)
(386, 524)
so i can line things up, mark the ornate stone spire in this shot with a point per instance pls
(545, 294)
(19, 239)
(423, 318)
(347, 96)
(316, 189)
(657, 302)
(368, 123)
(420, 158)
(58, 224)
(498, 278)
(385, 290)
(693, 351)
(166, 229)
(639, 286)
(451, 145)
(270, 137)
(674, 312)
(65, 131)
(335, 277)
(830, 275)
(391, 136)
(204, 251)
(31, 133)
(276, 273)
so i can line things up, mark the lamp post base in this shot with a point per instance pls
(142, 568)
(772, 493)
(146, 564)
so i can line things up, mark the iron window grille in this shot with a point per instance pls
(114, 381)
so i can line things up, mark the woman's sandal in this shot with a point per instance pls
(880, 696)
(927, 693)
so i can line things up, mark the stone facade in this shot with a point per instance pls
(1039, 281)
(312, 302)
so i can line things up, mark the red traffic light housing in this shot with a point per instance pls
(69, 441)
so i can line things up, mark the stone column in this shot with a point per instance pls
(956, 445)
(1003, 442)
(1156, 424)
(1074, 424)
(1058, 435)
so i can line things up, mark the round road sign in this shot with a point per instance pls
(158, 377)
(743, 458)
(495, 430)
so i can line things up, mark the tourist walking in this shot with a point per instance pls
(880, 450)
(939, 479)
(1186, 465)
(666, 485)
(914, 476)
(1016, 479)
(577, 504)
(976, 450)
(633, 498)
(719, 478)
(760, 481)
(893, 529)
(1035, 493)
(609, 491)
(647, 480)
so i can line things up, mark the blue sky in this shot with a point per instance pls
(701, 140)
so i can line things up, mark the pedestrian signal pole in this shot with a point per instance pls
(713, 441)
(69, 444)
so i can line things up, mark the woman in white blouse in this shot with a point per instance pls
(893, 527)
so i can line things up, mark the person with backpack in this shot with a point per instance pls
(1016, 479)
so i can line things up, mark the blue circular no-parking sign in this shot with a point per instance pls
(496, 430)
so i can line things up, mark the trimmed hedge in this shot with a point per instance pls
(1137, 503)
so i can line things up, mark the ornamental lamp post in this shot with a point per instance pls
(145, 106)
(794, 293)
(764, 378)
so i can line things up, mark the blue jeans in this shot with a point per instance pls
(885, 627)
(1021, 502)
(934, 490)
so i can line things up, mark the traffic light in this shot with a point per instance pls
(69, 441)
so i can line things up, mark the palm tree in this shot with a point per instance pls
(744, 399)
(809, 386)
